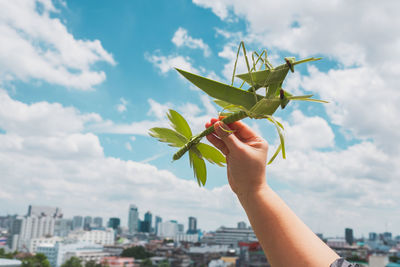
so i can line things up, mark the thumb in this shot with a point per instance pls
(225, 134)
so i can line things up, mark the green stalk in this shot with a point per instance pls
(239, 115)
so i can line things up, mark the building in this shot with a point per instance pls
(192, 225)
(181, 237)
(60, 252)
(28, 227)
(241, 225)
(373, 236)
(62, 227)
(231, 236)
(114, 223)
(87, 221)
(148, 218)
(133, 219)
(167, 229)
(77, 222)
(118, 262)
(10, 263)
(349, 236)
(101, 237)
(158, 220)
(40, 241)
(98, 222)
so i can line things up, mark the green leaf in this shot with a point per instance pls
(179, 123)
(169, 136)
(278, 126)
(306, 98)
(275, 154)
(199, 167)
(211, 154)
(228, 106)
(227, 93)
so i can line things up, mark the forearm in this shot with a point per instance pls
(286, 240)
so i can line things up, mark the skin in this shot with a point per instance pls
(285, 239)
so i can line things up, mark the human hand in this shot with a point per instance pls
(246, 155)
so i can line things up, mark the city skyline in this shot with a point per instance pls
(81, 82)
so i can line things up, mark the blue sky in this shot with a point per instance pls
(82, 82)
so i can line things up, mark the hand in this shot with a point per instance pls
(246, 156)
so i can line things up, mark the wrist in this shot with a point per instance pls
(252, 195)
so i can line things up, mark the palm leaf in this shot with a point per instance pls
(199, 167)
(179, 123)
(275, 154)
(169, 136)
(228, 106)
(211, 154)
(278, 126)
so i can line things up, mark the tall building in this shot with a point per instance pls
(158, 220)
(349, 236)
(114, 223)
(62, 227)
(87, 222)
(373, 236)
(98, 221)
(241, 225)
(192, 225)
(133, 219)
(148, 218)
(77, 222)
(167, 229)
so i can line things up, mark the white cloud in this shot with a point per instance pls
(168, 63)
(122, 106)
(60, 165)
(37, 45)
(182, 38)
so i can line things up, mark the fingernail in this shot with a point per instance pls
(222, 129)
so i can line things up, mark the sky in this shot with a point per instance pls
(82, 82)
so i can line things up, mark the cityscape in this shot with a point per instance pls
(91, 241)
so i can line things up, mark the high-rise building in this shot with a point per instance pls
(387, 236)
(181, 228)
(241, 225)
(77, 222)
(349, 236)
(148, 218)
(98, 221)
(62, 227)
(373, 236)
(87, 222)
(158, 220)
(192, 225)
(133, 219)
(114, 223)
(167, 229)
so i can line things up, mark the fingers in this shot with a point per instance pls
(218, 143)
(225, 134)
(242, 131)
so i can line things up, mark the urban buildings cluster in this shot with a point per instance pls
(45, 230)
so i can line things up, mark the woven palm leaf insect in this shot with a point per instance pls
(237, 104)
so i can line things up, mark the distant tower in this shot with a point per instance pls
(192, 225)
(114, 223)
(133, 219)
(87, 222)
(77, 222)
(158, 220)
(349, 236)
(241, 225)
(148, 217)
(98, 221)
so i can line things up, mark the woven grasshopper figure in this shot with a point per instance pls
(237, 104)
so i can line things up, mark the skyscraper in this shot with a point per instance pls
(158, 220)
(133, 219)
(114, 223)
(98, 221)
(77, 222)
(349, 236)
(148, 217)
(87, 222)
(241, 225)
(192, 225)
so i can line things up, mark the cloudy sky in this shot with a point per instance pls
(82, 82)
